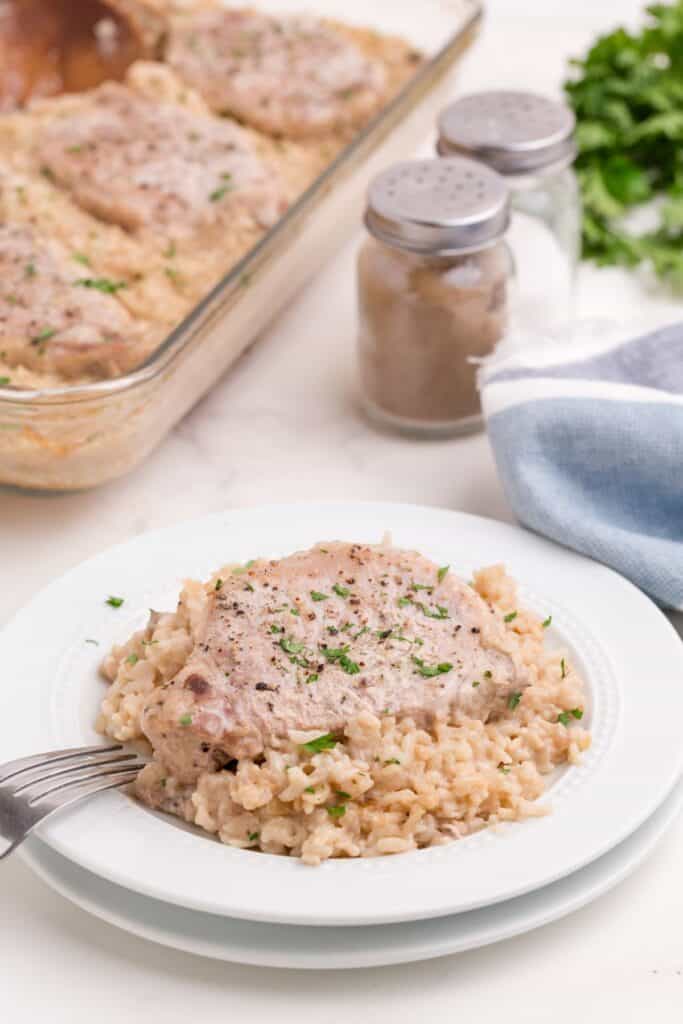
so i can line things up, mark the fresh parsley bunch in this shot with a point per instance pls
(627, 94)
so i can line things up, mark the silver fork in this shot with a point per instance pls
(33, 788)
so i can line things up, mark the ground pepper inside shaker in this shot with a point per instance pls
(433, 281)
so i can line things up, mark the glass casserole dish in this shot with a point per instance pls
(78, 436)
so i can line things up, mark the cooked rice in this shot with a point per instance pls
(388, 786)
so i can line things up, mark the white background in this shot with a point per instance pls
(284, 426)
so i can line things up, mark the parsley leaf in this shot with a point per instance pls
(337, 812)
(627, 95)
(340, 655)
(510, 617)
(341, 591)
(317, 596)
(429, 671)
(101, 284)
(442, 573)
(115, 602)
(320, 743)
(514, 699)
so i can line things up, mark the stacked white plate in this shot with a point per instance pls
(169, 883)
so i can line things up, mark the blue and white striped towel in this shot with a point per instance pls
(588, 439)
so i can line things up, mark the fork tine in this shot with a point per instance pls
(71, 769)
(70, 795)
(77, 783)
(22, 764)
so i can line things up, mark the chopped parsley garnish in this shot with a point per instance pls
(384, 634)
(337, 812)
(563, 667)
(114, 602)
(320, 743)
(514, 699)
(342, 795)
(421, 586)
(476, 683)
(313, 678)
(149, 643)
(340, 656)
(253, 836)
(89, 640)
(170, 252)
(239, 569)
(440, 613)
(294, 611)
(566, 716)
(30, 270)
(101, 284)
(277, 629)
(442, 573)
(45, 334)
(291, 646)
(510, 617)
(132, 659)
(74, 149)
(309, 789)
(429, 671)
(249, 586)
(3, 381)
(218, 193)
(361, 632)
(504, 768)
(219, 584)
(341, 591)
(317, 596)
(185, 720)
(80, 257)
(488, 674)
(403, 601)
(392, 760)
(546, 622)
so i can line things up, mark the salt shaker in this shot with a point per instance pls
(529, 140)
(433, 284)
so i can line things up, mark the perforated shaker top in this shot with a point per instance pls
(513, 132)
(429, 206)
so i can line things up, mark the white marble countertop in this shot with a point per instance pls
(284, 425)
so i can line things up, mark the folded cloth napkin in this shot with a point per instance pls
(587, 433)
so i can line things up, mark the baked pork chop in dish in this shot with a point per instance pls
(155, 166)
(295, 76)
(349, 700)
(54, 316)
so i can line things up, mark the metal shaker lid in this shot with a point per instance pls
(432, 206)
(513, 132)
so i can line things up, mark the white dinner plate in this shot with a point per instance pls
(624, 647)
(279, 945)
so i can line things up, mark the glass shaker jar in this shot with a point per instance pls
(529, 140)
(433, 281)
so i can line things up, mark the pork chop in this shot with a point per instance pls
(293, 76)
(54, 316)
(143, 164)
(311, 640)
